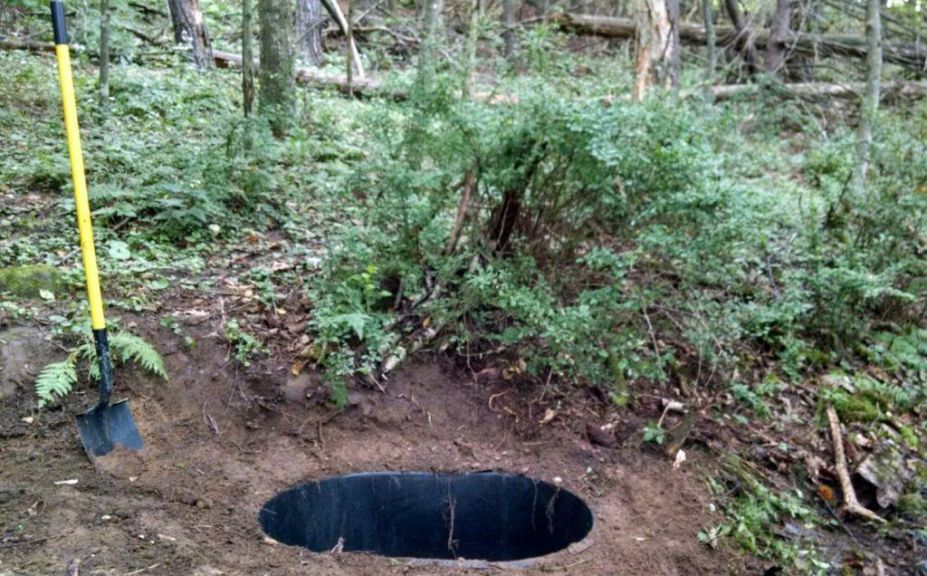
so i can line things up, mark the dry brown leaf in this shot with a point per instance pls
(549, 415)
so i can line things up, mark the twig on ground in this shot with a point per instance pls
(210, 421)
(140, 570)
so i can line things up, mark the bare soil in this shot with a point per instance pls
(220, 440)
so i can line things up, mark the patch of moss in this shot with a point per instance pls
(908, 435)
(912, 505)
(27, 281)
(855, 407)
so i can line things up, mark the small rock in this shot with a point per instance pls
(886, 470)
(599, 437)
(188, 498)
(204, 503)
(296, 388)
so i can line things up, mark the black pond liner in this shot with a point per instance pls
(481, 516)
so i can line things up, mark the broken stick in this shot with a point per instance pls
(850, 502)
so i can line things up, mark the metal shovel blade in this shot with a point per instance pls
(101, 429)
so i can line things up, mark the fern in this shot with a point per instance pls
(129, 347)
(56, 379)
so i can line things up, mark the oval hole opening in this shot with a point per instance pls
(483, 516)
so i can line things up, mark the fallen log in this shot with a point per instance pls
(363, 87)
(30, 45)
(817, 90)
(910, 56)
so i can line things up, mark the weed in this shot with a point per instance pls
(245, 345)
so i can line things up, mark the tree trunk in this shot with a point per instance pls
(309, 30)
(711, 41)
(508, 28)
(277, 89)
(654, 46)
(434, 33)
(189, 28)
(778, 37)
(104, 53)
(675, 56)
(744, 41)
(434, 18)
(870, 105)
(472, 38)
(247, 55)
(348, 56)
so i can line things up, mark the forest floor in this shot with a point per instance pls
(221, 439)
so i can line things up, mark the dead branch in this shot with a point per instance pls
(850, 501)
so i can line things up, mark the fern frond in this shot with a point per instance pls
(129, 347)
(56, 379)
(88, 353)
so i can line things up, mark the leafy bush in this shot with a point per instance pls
(594, 235)
(610, 194)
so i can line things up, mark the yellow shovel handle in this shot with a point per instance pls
(72, 130)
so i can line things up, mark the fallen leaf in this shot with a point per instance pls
(549, 415)
(826, 492)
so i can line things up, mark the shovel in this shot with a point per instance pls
(105, 425)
